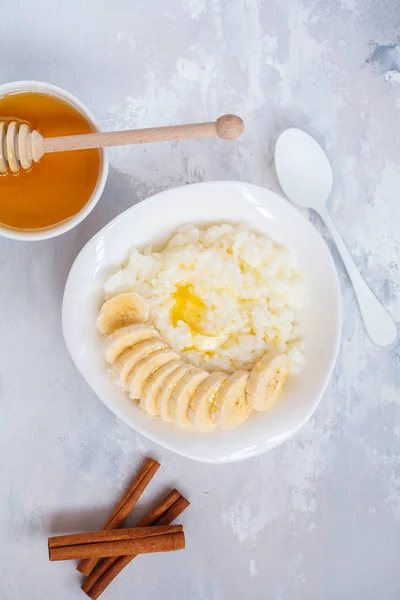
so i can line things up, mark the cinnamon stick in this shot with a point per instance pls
(124, 506)
(117, 542)
(149, 519)
(163, 514)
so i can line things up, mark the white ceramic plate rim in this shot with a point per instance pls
(108, 401)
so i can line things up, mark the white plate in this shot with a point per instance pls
(155, 220)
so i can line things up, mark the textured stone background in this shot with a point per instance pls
(319, 516)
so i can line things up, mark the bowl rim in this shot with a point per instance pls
(335, 345)
(56, 230)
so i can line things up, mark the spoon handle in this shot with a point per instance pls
(377, 321)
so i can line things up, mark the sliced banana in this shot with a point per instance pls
(202, 400)
(182, 394)
(146, 367)
(176, 391)
(122, 310)
(165, 394)
(230, 407)
(122, 339)
(154, 385)
(126, 363)
(267, 380)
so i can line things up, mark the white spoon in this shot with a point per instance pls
(305, 176)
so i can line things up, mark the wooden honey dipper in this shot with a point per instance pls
(19, 145)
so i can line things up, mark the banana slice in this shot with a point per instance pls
(165, 394)
(153, 386)
(122, 339)
(120, 311)
(126, 363)
(182, 394)
(267, 380)
(230, 407)
(202, 400)
(146, 367)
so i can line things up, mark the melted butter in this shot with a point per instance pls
(188, 308)
(191, 309)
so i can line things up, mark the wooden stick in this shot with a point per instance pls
(125, 505)
(116, 542)
(163, 514)
(227, 127)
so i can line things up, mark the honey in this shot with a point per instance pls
(60, 184)
(188, 308)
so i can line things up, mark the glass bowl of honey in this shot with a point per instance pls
(59, 191)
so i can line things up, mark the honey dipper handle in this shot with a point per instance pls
(227, 127)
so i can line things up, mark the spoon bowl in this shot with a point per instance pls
(303, 169)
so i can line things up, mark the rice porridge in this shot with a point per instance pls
(222, 297)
